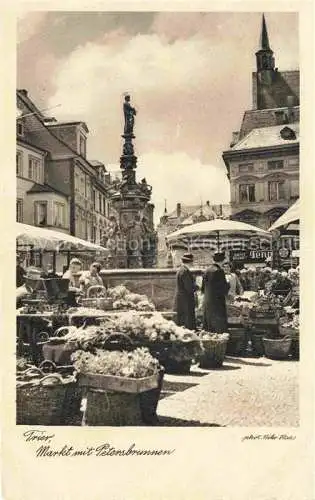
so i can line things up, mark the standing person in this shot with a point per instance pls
(91, 277)
(31, 284)
(185, 294)
(244, 279)
(215, 289)
(234, 282)
(20, 272)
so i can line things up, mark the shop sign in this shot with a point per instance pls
(260, 255)
(239, 255)
(250, 255)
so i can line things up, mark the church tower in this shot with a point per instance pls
(266, 73)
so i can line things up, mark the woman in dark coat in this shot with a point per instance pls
(215, 288)
(184, 306)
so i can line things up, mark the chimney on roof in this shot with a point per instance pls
(178, 209)
(24, 92)
(290, 103)
(208, 203)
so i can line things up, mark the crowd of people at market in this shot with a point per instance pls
(212, 293)
(220, 284)
(80, 280)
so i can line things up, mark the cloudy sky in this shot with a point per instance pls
(189, 75)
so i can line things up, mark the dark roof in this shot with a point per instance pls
(43, 134)
(44, 188)
(31, 145)
(259, 118)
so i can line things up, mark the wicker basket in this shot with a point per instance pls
(277, 348)
(38, 403)
(214, 353)
(72, 414)
(112, 408)
(237, 343)
(59, 352)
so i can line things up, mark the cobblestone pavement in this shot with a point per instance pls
(244, 392)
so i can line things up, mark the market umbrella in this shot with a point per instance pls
(48, 240)
(211, 232)
(291, 216)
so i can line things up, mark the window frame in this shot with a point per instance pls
(269, 162)
(250, 167)
(277, 183)
(19, 164)
(38, 203)
(19, 203)
(59, 209)
(35, 169)
(247, 186)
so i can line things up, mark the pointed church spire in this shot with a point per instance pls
(264, 57)
(264, 40)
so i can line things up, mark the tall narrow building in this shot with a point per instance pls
(263, 159)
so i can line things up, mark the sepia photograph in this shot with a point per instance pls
(158, 219)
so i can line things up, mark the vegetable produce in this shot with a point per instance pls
(123, 299)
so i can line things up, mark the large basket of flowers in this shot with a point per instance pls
(213, 349)
(277, 348)
(112, 382)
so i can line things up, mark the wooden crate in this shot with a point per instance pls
(119, 384)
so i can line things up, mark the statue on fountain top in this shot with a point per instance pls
(129, 114)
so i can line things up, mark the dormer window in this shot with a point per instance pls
(19, 128)
(288, 134)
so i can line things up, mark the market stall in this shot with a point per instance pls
(107, 355)
(41, 242)
(241, 242)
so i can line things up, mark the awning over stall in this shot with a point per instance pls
(45, 239)
(290, 218)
